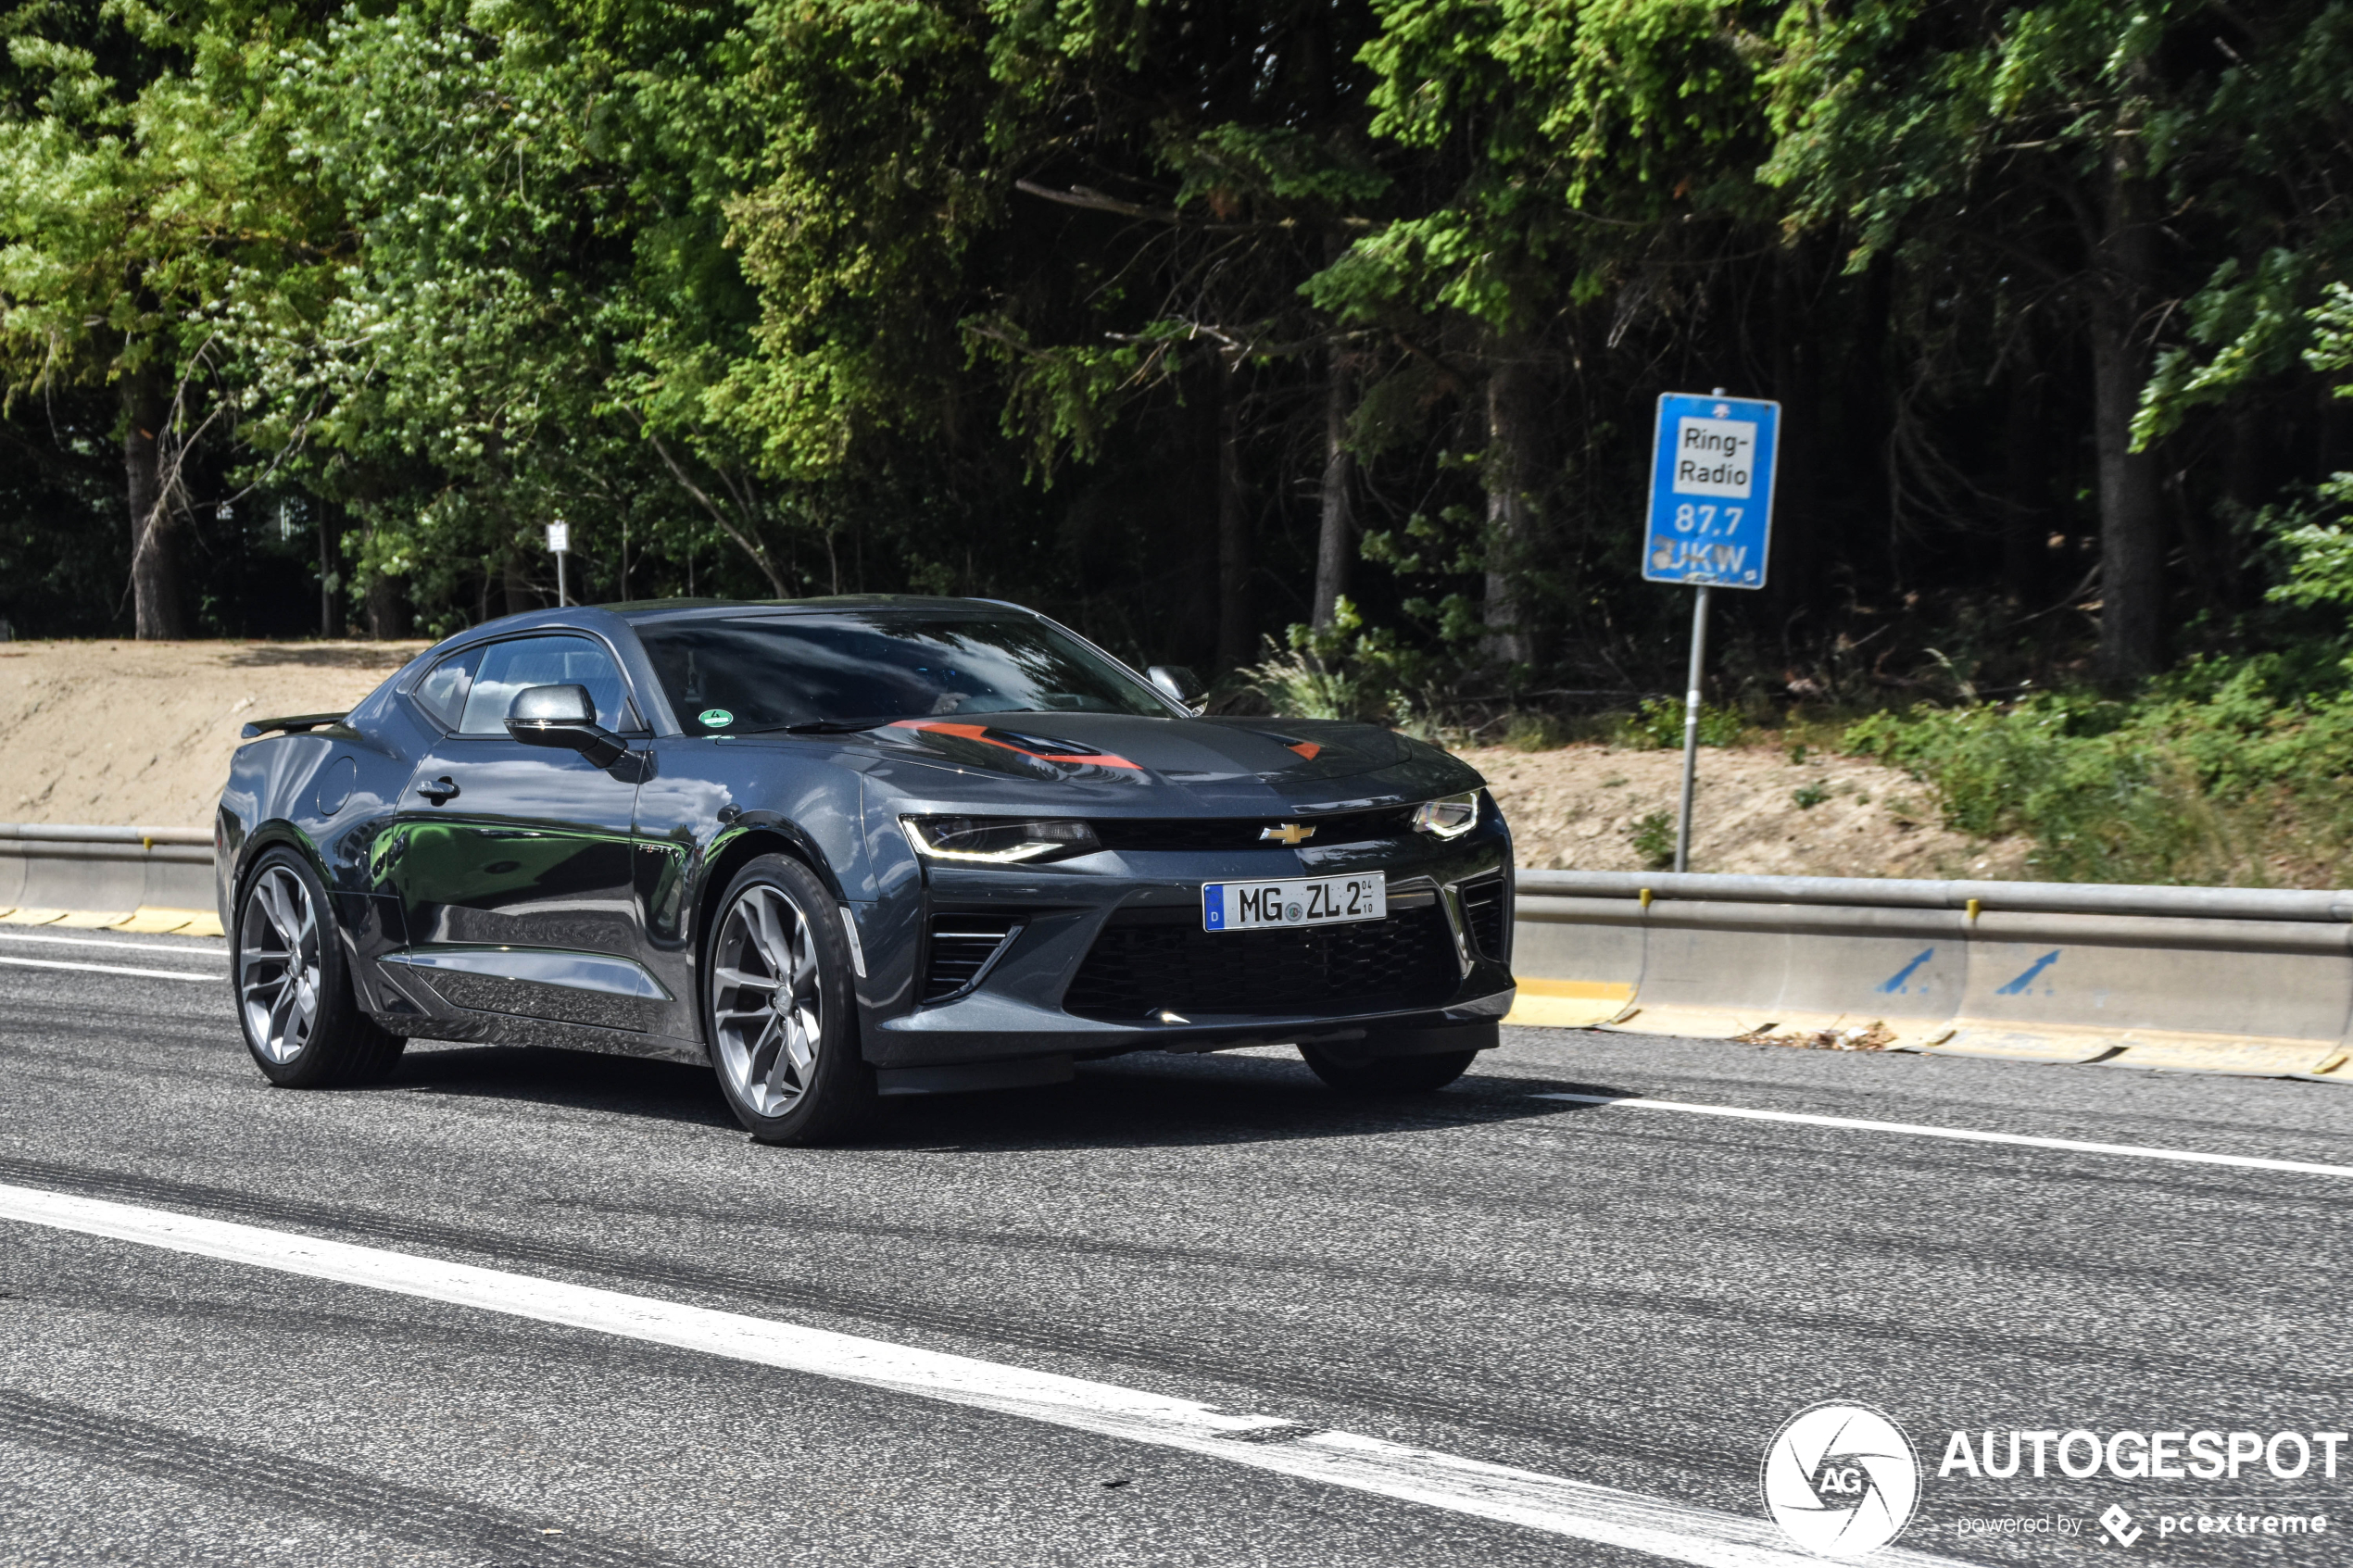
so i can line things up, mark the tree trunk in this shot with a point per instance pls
(521, 594)
(1513, 413)
(2131, 515)
(2025, 551)
(387, 605)
(1236, 627)
(156, 608)
(1336, 536)
(330, 565)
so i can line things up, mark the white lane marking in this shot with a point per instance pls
(1963, 1134)
(1551, 1503)
(220, 952)
(109, 969)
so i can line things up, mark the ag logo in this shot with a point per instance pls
(1840, 1480)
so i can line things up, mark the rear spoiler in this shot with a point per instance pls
(295, 725)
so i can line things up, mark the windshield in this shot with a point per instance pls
(777, 671)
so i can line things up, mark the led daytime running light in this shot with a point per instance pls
(920, 834)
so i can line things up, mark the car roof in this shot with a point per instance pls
(642, 611)
(646, 613)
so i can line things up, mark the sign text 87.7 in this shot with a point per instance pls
(1703, 518)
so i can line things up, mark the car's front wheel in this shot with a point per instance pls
(780, 1014)
(1401, 1061)
(1387, 1074)
(294, 993)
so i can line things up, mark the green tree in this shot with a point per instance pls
(141, 166)
(2067, 151)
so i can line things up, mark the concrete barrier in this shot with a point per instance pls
(125, 879)
(2220, 980)
(2216, 980)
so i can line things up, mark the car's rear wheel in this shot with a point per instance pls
(779, 1011)
(294, 1003)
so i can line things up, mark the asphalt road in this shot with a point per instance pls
(1606, 1293)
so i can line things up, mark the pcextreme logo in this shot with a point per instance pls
(1841, 1479)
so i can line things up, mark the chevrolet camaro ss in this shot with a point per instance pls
(845, 848)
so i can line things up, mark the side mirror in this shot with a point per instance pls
(565, 717)
(1178, 682)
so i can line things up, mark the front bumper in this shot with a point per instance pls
(1016, 1010)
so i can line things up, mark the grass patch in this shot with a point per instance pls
(1658, 725)
(2228, 774)
(1653, 840)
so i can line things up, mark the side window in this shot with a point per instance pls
(508, 667)
(443, 691)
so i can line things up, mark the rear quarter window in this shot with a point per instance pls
(442, 693)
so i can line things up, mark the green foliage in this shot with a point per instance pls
(1537, 731)
(1657, 724)
(1348, 670)
(1808, 795)
(1653, 840)
(2228, 773)
(1296, 688)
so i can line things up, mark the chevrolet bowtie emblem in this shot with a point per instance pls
(1288, 833)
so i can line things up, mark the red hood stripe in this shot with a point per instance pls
(980, 733)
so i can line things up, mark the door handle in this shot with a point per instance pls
(443, 788)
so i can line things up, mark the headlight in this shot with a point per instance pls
(998, 841)
(1448, 816)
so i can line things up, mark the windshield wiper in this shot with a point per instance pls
(833, 726)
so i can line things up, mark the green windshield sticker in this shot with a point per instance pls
(715, 718)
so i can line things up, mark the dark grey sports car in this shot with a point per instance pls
(849, 848)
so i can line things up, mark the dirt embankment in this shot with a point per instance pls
(1583, 808)
(140, 734)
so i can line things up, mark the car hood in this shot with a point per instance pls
(1122, 760)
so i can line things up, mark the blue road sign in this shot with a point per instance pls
(1711, 515)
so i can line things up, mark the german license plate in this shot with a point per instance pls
(1307, 900)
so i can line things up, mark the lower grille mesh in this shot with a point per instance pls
(1484, 912)
(961, 948)
(1139, 965)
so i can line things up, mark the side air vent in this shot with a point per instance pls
(1486, 911)
(962, 948)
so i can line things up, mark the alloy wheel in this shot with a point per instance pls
(278, 964)
(767, 1010)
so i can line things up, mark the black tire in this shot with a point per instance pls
(1387, 1074)
(790, 1070)
(291, 987)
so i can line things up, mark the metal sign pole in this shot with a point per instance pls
(1691, 729)
(560, 542)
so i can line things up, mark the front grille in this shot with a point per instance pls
(962, 948)
(1241, 833)
(1144, 962)
(1485, 911)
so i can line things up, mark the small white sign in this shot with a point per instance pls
(560, 537)
(1715, 456)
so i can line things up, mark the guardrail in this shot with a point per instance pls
(2204, 979)
(2233, 980)
(134, 878)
